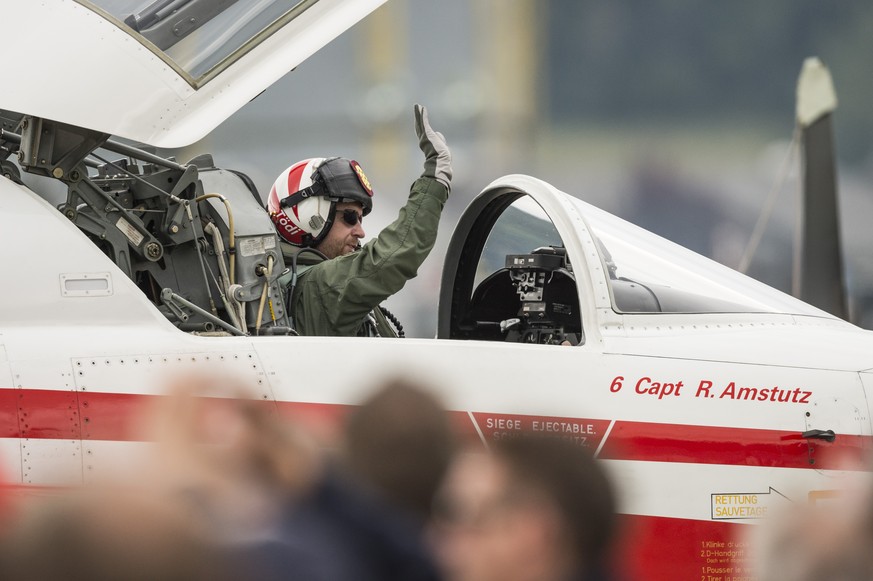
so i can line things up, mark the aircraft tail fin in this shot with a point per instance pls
(818, 273)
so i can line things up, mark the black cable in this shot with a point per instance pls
(394, 321)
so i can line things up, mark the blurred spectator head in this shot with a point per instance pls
(212, 429)
(108, 534)
(399, 443)
(826, 539)
(228, 457)
(534, 508)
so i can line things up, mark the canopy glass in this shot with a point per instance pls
(199, 38)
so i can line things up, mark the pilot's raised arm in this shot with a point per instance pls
(320, 204)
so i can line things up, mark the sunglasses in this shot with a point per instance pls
(351, 217)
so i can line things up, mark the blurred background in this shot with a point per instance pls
(673, 114)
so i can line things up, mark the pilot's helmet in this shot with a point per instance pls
(304, 196)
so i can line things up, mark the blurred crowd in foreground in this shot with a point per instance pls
(235, 490)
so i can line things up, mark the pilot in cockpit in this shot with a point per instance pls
(334, 284)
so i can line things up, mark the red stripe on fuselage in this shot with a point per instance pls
(9, 414)
(54, 414)
(113, 416)
(660, 548)
(42, 414)
(653, 442)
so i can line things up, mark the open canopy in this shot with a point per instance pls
(162, 72)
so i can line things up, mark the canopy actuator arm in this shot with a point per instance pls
(59, 150)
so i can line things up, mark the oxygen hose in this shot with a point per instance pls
(231, 242)
(224, 291)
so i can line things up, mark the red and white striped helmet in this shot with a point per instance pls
(302, 200)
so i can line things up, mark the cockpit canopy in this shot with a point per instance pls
(607, 263)
(649, 274)
(165, 72)
(200, 38)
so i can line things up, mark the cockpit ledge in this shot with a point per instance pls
(642, 324)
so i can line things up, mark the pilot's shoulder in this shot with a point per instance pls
(304, 256)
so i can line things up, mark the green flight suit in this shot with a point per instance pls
(335, 297)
